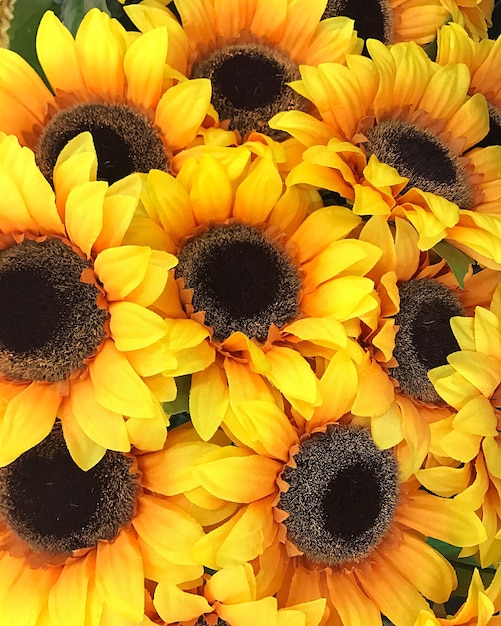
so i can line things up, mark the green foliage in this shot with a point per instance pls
(24, 25)
(458, 261)
(73, 11)
(181, 403)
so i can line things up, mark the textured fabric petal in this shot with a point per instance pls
(83, 450)
(84, 214)
(175, 605)
(119, 575)
(57, 55)
(122, 269)
(68, 597)
(303, 18)
(134, 327)
(291, 374)
(211, 193)
(181, 111)
(117, 386)
(471, 121)
(352, 604)
(232, 585)
(28, 418)
(257, 194)
(214, 468)
(208, 400)
(149, 50)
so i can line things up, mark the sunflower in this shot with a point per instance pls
(470, 382)
(138, 119)
(481, 607)
(395, 139)
(77, 320)
(386, 374)
(250, 50)
(229, 597)
(327, 516)
(260, 287)
(76, 543)
(482, 57)
(475, 16)
(392, 21)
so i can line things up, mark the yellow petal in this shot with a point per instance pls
(215, 469)
(133, 326)
(291, 374)
(83, 450)
(232, 585)
(208, 400)
(181, 111)
(480, 370)
(117, 386)
(175, 605)
(72, 583)
(84, 214)
(258, 193)
(28, 419)
(75, 165)
(122, 269)
(119, 575)
(211, 194)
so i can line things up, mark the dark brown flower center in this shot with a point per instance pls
(49, 320)
(424, 338)
(342, 495)
(56, 507)
(423, 158)
(241, 279)
(373, 19)
(249, 85)
(125, 140)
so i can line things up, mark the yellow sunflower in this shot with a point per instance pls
(76, 546)
(482, 58)
(229, 596)
(78, 317)
(261, 286)
(385, 375)
(327, 516)
(481, 607)
(250, 50)
(474, 16)
(471, 383)
(392, 21)
(138, 118)
(395, 138)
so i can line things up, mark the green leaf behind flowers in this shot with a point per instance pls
(458, 261)
(73, 11)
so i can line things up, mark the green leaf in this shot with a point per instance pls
(458, 261)
(24, 25)
(73, 11)
(181, 403)
(178, 420)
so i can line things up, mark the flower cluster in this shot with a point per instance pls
(250, 316)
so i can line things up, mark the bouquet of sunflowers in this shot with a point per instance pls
(250, 313)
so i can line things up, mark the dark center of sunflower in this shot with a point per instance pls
(202, 621)
(424, 338)
(373, 19)
(249, 85)
(423, 158)
(125, 140)
(49, 319)
(342, 495)
(241, 279)
(56, 507)
(493, 137)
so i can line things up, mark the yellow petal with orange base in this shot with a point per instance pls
(268, 19)
(257, 194)
(144, 89)
(338, 388)
(306, 129)
(442, 519)
(174, 605)
(214, 469)
(353, 606)
(446, 91)
(470, 121)
(211, 194)
(181, 111)
(28, 418)
(343, 298)
(57, 55)
(154, 515)
(198, 19)
(83, 450)
(124, 594)
(303, 18)
(100, 55)
(73, 583)
(117, 386)
(122, 269)
(15, 214)
(208, 400)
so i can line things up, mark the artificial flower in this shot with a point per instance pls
(229, 596)
(77, 308)
(138, 118)
(261, 286)
(475, 16)
(76, 546)
(250, 50)
(395, 139)
(333, 519)
(392, 21)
